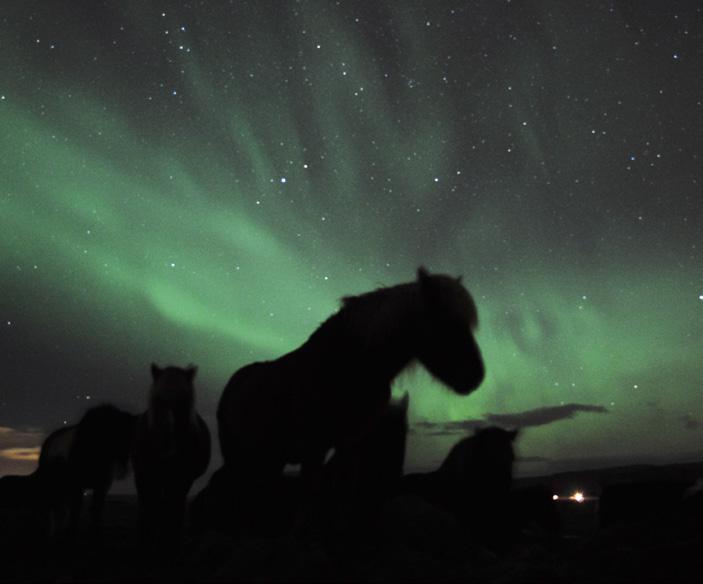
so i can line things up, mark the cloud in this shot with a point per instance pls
(542, 416)
(14, 438)
(532, 459)
(19, 450)
(21, 453)
(448, 428)
(536, 417)
(690, 422)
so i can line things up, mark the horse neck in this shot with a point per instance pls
(381, 338)
(393, 341)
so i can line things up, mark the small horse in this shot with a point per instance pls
(473, 483)
(89, 455)
(333, 388)
(171, 449)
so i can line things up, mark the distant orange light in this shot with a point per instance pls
(555, 497)
(578, 497)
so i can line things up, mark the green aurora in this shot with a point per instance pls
(209, 194)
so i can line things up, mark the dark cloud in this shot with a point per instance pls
(532, 459)
(542, 416)
(447, 428)
(19, 450)
(536, 417)
(14, 438)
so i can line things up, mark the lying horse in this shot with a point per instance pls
(171, 449)
(473, 483)
(334, 387)
(87, 456)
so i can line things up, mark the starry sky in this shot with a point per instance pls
(201, 182)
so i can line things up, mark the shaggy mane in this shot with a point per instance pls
(381, 307)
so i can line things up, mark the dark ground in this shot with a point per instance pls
(412, 541)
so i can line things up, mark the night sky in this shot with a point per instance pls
(201, 182)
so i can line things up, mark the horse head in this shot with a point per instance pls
(172, 388)
(447, 347)
(485, 458)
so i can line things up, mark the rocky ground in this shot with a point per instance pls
(409, 541)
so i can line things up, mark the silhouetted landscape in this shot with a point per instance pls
(383, 290)
(350, 513)
(410, 540)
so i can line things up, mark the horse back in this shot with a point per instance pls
(56, 448)
(290, 410)
(257, 407)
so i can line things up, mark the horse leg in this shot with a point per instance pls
(313, 506)
(311, 470)
(97, 505)
(75, 505)
(173, 509)
(148, 500)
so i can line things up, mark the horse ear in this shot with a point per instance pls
(514, 434)
(155, 371)
(422, 274)
(404, 401)
(191, 371)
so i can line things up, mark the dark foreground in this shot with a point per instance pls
(411, 541)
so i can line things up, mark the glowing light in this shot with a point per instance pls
(578, 497)
(555, 497)
(20, 453)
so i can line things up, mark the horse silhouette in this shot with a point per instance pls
(332, 389)
(473, 483)
(171, 449)
(364, 473)
(87, 456)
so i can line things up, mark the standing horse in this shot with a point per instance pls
(335, 386)
(87, 456)
(171, 449)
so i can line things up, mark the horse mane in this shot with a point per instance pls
(370, 317)
(379, 315)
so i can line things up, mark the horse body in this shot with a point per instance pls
(87, 456)
(473, 483)
(265, 422)
(334, 388)
(171, 449)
